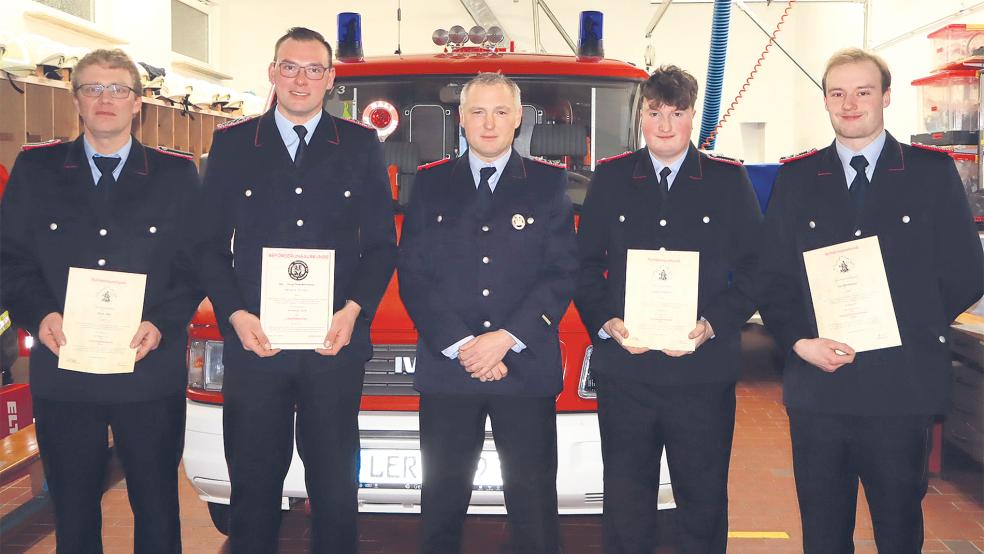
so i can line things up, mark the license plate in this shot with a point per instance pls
(402, 469)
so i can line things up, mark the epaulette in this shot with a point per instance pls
(357, 122)
(548, 162)
(176, 153)
(725, 159)
(44, 144)
(799, 156)
(433, 164)
(930, 148)
(610, 158)
(235, 122)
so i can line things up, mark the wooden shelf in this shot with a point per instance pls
(45, 110)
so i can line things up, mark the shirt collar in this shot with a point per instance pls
(870, 153)
(499, 164)
(674, 166)
(286, 128)
(123, 153)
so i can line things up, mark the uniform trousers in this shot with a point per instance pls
(259, 426)
(452, 432)
(148, 438)
(889, 455)
(695, 423)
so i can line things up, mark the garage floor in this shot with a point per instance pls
(764, 516)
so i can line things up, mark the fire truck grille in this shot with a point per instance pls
(390, 371)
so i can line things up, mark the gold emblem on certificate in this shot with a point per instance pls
(103, 310)
(851, 298)
(296, 295)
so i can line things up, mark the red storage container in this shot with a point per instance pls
(949, 101)
(956, 42)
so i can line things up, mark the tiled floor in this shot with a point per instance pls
(761, 490)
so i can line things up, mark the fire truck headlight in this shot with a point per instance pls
(440, 37)
(205, 370)
(586, 385)
(477, 34)
(494, 35)
(457, 35)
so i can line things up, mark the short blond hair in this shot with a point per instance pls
(488, 78)
(857, 55)
(113, 59)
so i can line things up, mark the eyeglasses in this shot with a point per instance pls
(290, 70)
(95, 90)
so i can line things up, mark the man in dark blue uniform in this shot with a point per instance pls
(867, 415)
(295, 177)
(486, 272)
(105, 202)
(667, 196)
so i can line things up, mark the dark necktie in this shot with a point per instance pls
(484, 203)
(664, 183)
(301, 145)
(105, 165)
(860, 183)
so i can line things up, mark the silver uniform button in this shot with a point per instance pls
(486, 324)
(486, 292)
(485, 259)
(530, 220)
(248, 193)
(347, 193)
(152, 229)
(53, 226)
(103, 232)
(298, 190)
(905, 219)
(440, 218)
(857, 233)
(300, 223)
(707, 219)
(813, 225)
(662, 223)
(485, 228)
(101, 262)
(942, 339)
(621, 219)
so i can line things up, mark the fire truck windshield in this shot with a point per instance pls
(570, 120)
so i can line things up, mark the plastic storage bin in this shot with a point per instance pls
(949, 104)
(968, 169)
(956, 42)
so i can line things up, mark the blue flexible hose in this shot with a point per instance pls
(715, 70)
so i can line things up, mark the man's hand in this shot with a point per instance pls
(615, 328)
(147, 338)
(495, 373)
(701, 334)
(50, 332)
(340, 333)
(826, 354)
(485, 351)
(251, 334)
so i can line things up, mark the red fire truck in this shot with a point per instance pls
(576, 110)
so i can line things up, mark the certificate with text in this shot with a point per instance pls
(661, 298)
(296, 294)
(851, 299)
(102, 313)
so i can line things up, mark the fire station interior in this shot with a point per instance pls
(400, 68)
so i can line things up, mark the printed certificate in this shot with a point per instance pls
(102, 313)
(850, 294)
(296, 293)
(661, 298)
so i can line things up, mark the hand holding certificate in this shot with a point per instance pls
(102, 314)
(296, 295)
(850, 295)
(661, 298)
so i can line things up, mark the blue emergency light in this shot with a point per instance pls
(590, 44)
(349, 37)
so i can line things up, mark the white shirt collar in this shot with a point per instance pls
(499, 164)
(870, 153)
(674, 166)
